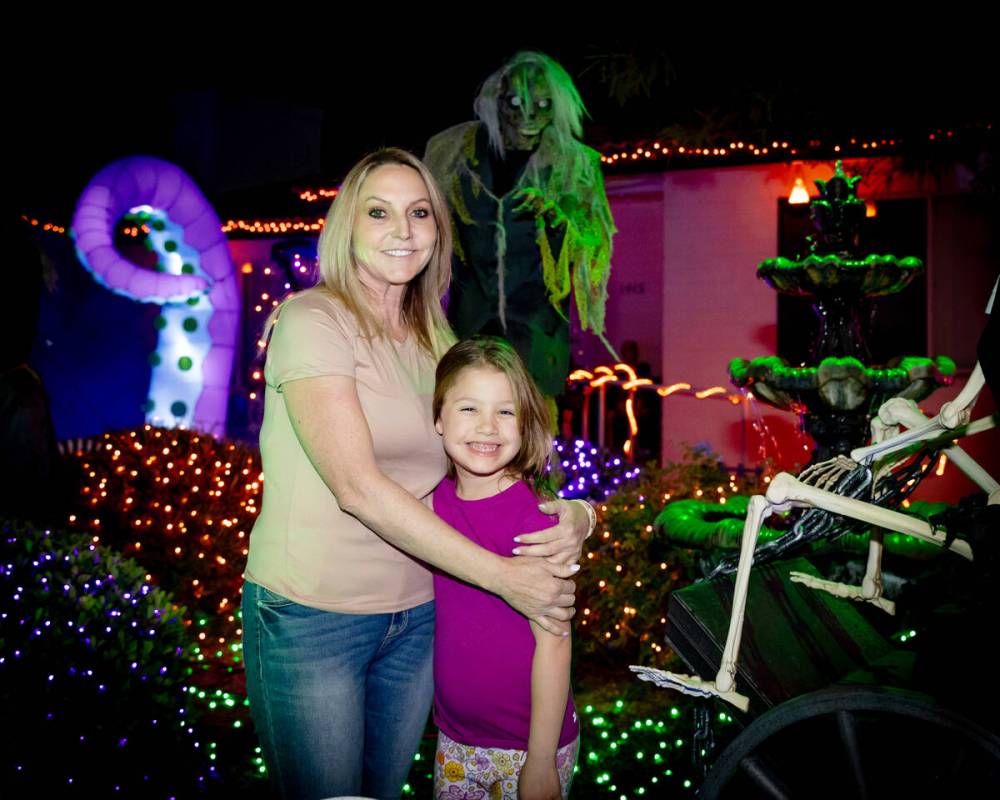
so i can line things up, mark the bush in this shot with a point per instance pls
(630, 567)
(182, 504)
(92, 666)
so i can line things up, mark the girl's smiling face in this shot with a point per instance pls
(480, 427)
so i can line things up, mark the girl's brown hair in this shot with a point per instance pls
(532, 460)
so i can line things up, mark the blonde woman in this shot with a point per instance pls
(338, 610)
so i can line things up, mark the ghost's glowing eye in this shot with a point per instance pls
(514, 101)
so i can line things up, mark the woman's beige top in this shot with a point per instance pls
(302, 545)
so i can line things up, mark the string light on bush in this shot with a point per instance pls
(590, 472)
(182, 504)
(109, 641)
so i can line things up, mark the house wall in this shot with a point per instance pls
(714, 227)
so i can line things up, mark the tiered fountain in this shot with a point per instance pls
(838, 396)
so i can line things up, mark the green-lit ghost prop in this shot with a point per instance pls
(531, 219)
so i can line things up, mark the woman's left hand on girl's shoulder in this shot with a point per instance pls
(563, 542)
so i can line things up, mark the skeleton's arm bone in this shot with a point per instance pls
(898, 411)
(927, 430)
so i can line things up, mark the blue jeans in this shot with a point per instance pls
(339, 701)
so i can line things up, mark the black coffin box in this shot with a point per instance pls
(795, 639)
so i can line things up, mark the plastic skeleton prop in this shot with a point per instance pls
(858, 489)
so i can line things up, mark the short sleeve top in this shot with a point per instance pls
(483, 649)
(302, 545)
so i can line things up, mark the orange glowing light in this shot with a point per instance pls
(666, 391)
(633, 426)
(627, 370)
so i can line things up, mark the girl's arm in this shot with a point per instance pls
(539, 779)
(327, 418)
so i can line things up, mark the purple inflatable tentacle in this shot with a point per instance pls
(165, 194)
(140, 180)
(217, 262)
(202, 234)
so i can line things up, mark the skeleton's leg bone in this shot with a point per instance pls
(907, 413)
(870, 590)
(786, 489)
(840, 590)
(689, 684)
(971, 468)
(958, 411)
(871, 584)
(758, 509)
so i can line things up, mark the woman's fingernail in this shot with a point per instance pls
(517, 538)
(516, 551)
(574, 568)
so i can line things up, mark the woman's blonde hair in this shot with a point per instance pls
(532, 460)
(338, 274)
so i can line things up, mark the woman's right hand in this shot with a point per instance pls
(540, 590)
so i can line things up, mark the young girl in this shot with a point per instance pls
(502, 700)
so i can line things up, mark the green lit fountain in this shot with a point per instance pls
(839, 395)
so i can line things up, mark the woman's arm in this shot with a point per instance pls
(331, 427)
(539, 779)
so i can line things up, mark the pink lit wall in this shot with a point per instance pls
(635, 290)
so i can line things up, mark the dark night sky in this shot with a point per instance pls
(83, 103)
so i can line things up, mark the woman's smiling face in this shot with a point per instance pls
(394, 229)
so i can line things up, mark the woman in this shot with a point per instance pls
(337, 606)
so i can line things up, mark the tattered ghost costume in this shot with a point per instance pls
(518, 255)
